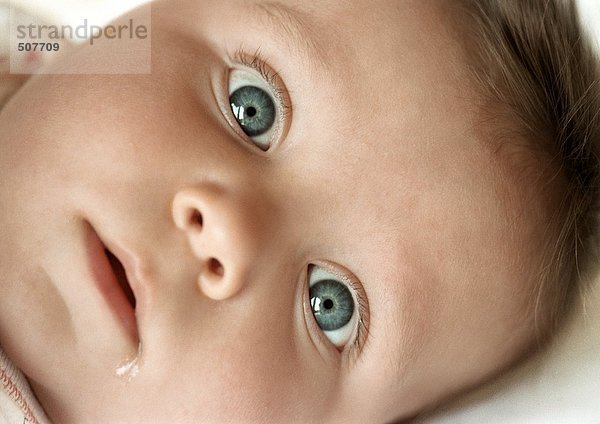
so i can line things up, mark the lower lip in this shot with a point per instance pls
(108, 285)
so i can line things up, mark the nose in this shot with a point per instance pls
(222, 231)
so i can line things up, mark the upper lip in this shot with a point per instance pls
(121, 290)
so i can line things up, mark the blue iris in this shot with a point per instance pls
(253, 109)
(332, 304)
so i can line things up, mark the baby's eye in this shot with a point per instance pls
(333, 305)
(254, 106)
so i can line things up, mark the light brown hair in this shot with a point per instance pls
(531, 60)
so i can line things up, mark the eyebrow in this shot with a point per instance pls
(296, 25)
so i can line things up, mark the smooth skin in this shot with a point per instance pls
(378, 173)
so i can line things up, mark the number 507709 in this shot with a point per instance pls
(38, 47)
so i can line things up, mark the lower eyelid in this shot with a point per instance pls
(221, 98)
(316, 335)
(311, 329)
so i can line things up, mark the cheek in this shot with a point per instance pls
(247, 360)
(241, 382)
(80, 123)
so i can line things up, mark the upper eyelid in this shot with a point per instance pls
(257, 62)
(362, 332)
(363, 314)
(254, 63)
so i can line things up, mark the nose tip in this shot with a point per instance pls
(216, 235)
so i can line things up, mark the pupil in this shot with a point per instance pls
(251, 111)
(328, 303)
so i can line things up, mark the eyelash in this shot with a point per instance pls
(257, 62)
(362, 331)
(363, 311)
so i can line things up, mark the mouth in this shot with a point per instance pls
(121, 275)
(110, 277)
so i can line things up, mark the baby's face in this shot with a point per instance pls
(342, 244)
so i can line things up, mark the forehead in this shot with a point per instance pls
(362, 42)
(332, 33)
(370, 68)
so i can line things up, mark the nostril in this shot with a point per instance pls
(196, 220)
(216, 267)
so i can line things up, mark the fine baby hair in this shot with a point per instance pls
(539, 76)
